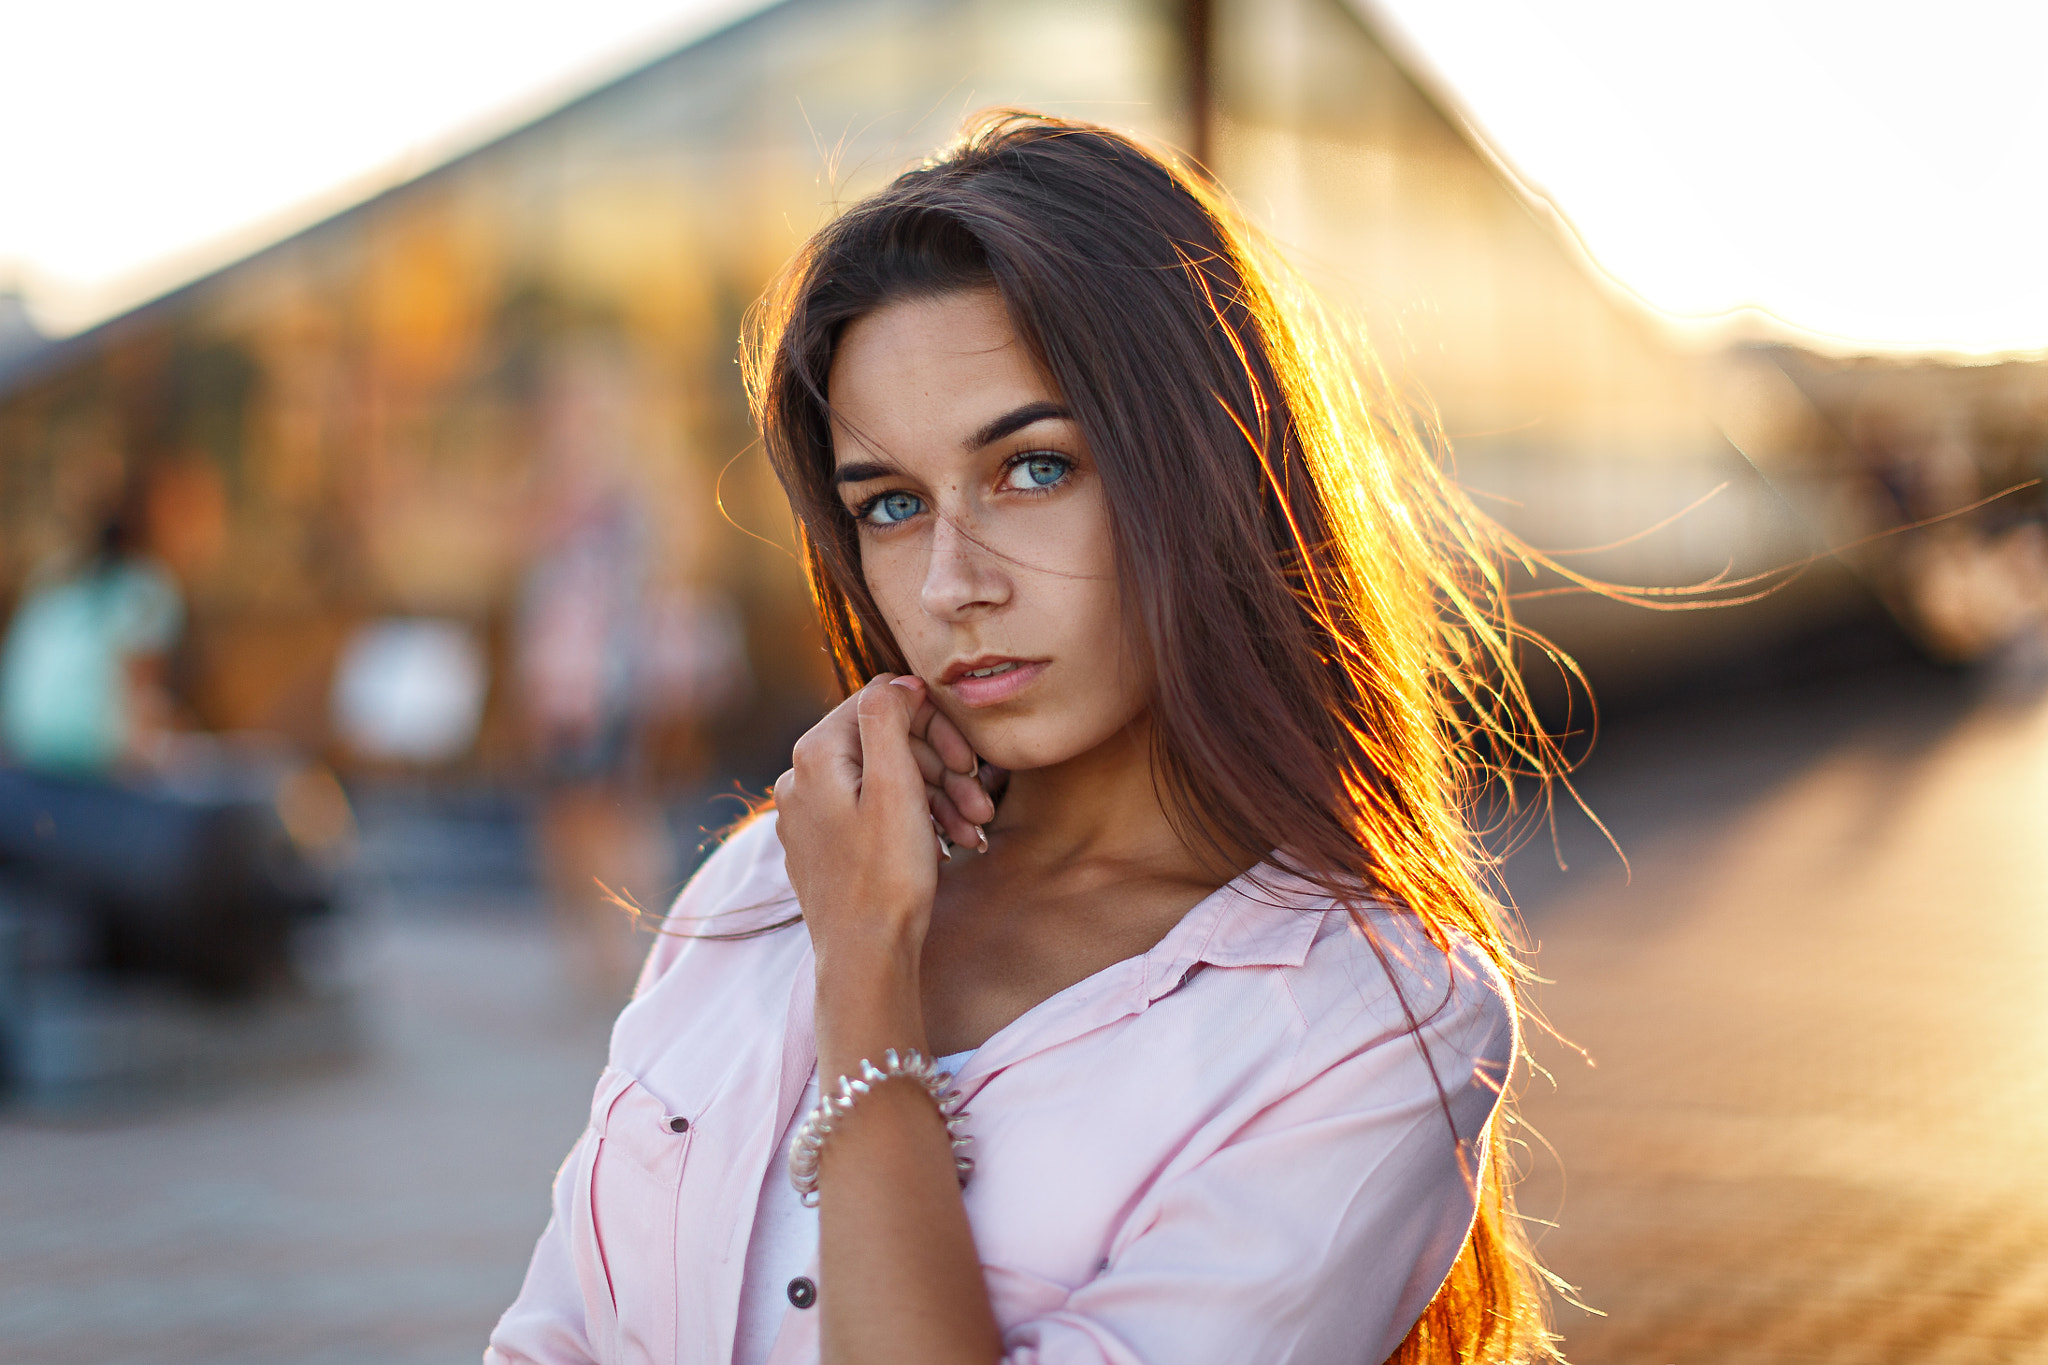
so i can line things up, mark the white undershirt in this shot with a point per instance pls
(785, 1239)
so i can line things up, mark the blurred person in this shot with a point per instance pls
(82, 670)
(150, 849)
(580, 664)
(694, 667)
(1144, 597)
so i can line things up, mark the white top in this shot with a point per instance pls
(785, 1239)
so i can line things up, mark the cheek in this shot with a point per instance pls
(1110, 681)
(1114, 633)
(894, 583)
(1085, 605)
(1125, 670)
(1094, 618)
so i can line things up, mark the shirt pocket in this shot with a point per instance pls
(627, 1190)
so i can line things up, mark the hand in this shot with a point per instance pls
(857, 810)
(956, 784)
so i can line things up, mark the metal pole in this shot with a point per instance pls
(1197, 43)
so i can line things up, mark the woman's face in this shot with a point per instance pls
(984, 533)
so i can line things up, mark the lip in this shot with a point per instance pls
(989, 691)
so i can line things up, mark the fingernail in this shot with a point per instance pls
(981, 838)
(945, 849)
(910, 682)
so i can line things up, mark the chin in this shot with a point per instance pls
(1024, 744)
(1015, 748)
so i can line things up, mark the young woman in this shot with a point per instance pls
(1192, 654)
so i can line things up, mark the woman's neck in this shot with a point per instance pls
(1101, 808)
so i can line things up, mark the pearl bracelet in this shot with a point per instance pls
(809, 1142)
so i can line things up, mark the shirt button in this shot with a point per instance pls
(802, 1293)
(679, 1124)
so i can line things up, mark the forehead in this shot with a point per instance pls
(922, 375)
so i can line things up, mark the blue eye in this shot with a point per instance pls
(890, 508)
(1039, 470)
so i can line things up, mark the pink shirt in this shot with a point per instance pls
(1229, 1149)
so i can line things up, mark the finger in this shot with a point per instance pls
(830, 726)
(952, 746)
(833, 744)
(957, 827)
(967, 796)
(887, 768)
(928, 762)
(917, 688)
(914, 686)
(922, 709)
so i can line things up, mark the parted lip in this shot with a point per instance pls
(960, 668)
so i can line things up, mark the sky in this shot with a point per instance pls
(1870, 171)
(1867, 172)
(149, 142)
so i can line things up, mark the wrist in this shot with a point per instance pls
(876, 1087)
(882, 957)
(861, 1015)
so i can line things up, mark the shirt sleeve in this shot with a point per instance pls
(1320, 1232)
(729, 894)
(545, 1324)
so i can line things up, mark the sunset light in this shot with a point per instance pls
(1866, 172)
(646, 589)
(171, 139)
(1860, 172)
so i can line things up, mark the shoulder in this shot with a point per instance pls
(748, 852)
(742, 888)
(1378, 976)
(146, 600)
(743, 885)
(1329, 983)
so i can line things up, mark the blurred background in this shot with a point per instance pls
(386, 562)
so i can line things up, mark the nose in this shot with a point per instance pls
(963, 578)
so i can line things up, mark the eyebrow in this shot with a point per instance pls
(1008, 424)
(1014, 421)
(861, 473)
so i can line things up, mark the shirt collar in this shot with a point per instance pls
(1266, 917)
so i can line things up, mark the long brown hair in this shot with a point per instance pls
(1325, 612)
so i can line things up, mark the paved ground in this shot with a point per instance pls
(378, 1214)
(1815, 1132)
(1816, 1127)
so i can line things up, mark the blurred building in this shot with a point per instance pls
(1881, 453)
(372, 398)
(20, 338)
(366, 421)
(1567, 412)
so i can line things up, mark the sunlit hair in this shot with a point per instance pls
(1325, 613)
